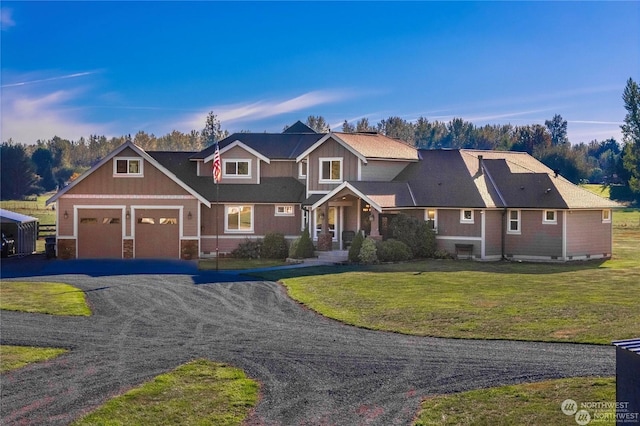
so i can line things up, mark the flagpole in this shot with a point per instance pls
(217, 233)
(217, 175)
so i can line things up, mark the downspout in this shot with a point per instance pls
(503, 234)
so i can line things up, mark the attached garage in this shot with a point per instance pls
(157, 233)
(100, 233)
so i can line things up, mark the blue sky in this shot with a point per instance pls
(78, 68)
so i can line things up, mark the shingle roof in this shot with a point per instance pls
(374, 145)
(442, 179)
(299, 127)
(270, 190)
(272, 145)
(387, 194)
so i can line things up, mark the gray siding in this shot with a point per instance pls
(331, 148)
(587, 235)
(536, 239)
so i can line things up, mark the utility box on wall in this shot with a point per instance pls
(627, 381)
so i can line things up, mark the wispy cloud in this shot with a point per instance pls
(250, 111)
(44, 80)
(27, 118)
(6, 19)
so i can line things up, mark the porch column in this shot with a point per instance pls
(325, 219)
(375, 225)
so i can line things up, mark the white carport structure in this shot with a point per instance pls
(22, 228)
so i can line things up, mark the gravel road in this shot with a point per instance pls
(312, 370)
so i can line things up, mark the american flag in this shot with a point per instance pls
(217, 166)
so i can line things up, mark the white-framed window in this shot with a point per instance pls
(606, 216)
(238, 218)
(466, 216)
(129, 167)
(302, 169)
(549, 217)
(236, 168)
(513, 222)
(284, 210)
(330, 169)
(431, 216)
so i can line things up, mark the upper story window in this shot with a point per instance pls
(127, 167)
(330, 170)
(606, 216)
(466, 216)
(513, 223)
(237, 168)
(302, 169)
(549, 217)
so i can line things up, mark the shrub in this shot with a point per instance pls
(303, 246)
(442, 254)
(393, 251)
(293, 248)
(250, 249)
(368, 252)
(415, 233)
(274, 246)
(356, 245)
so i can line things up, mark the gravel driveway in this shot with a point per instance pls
(312, 370)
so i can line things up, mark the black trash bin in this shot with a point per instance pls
(50, 247)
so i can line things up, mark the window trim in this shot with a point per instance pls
(316, 231)
(435, 218)
(546, 221)
(286, 207)
(329, 159)
(128, 160)
(300, 164)
(236, 160)
(239, 231)
(518, 221)
(606, 216)
(465, 220)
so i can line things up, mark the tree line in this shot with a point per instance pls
(47, 165)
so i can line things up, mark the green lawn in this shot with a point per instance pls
(198, 393)
(526, 404)
(43, 298)
(586, 302)
(14, 357)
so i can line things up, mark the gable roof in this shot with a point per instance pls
(270, 189)
(458, 179)
(368, 146)
(275, 146)
(146, 157)
(242, 146)
(299, 127)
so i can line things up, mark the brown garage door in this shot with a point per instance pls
(99, 233)
(157, 234)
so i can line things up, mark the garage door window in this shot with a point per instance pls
(168, 221)
(87, 220)
(146, 221)
(111, 220)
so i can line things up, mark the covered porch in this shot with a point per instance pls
(336, 217)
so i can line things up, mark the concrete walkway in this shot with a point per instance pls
(150, 317)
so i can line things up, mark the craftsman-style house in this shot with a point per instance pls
(137, 204)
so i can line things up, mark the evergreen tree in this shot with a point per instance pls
(631, 134)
